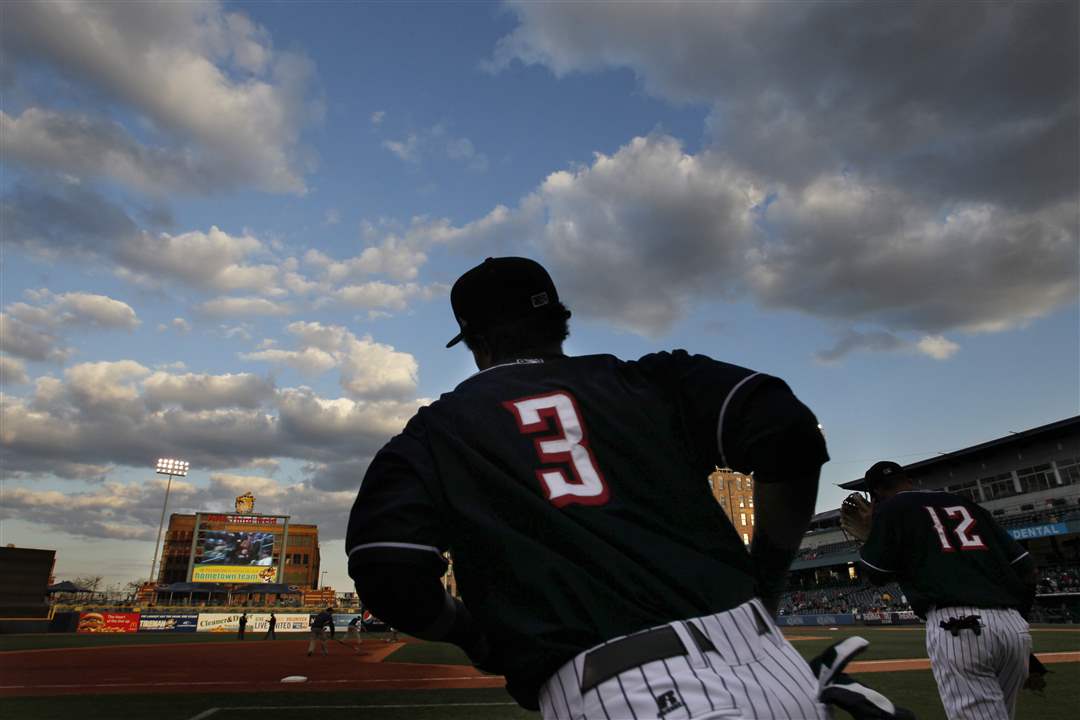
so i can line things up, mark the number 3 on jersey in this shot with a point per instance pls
(568, 445)
(964, 531)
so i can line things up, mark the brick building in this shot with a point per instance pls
(735, 493)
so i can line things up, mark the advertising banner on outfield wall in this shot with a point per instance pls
(290, 622)
(168, 622)
(257, 622)
(903, 617)
(802, 620)
(108, 622)
(369, 622)
(218, 622)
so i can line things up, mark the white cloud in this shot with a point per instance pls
(12, 371)
(30, 343)
(75, 309)
(395, 256)
(71, 222)
(377, 117)
(129, 511)
(433, 141)
(378, 295)
(214, 260)
(310, 360)
(368, 369)
(639, 236)
(879, 202)
(331, 217)
(242, 306)
(937, 347)
(151, 61)
(407, 149)
(106, 414)
(205, 392)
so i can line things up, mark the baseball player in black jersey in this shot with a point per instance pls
(596, 571)
(961, 572)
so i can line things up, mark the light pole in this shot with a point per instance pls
(172, 468)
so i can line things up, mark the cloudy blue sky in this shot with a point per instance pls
(229, 229)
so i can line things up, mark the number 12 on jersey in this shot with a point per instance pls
(964, 531)
(567, 446)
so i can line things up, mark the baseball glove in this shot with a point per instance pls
(855, 516)
(1036, 679)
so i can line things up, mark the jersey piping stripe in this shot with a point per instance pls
(867, 562)
(1018, 558)
(723, 409)
(400, 546)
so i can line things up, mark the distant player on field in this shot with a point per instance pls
(597, 572)
(353, 633)
(321, 624)
(961, 571)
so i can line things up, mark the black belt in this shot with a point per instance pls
(661, 643)
(967, 622)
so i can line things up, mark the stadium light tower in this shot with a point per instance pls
(172, 468)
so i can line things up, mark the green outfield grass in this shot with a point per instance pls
(913, 689)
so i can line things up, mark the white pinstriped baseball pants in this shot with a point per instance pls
(979, 676)
(749, 675)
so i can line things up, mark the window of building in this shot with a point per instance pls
(1036, 478)
(742, 519)
(999, 486)
(751, 501)
(1069, 470)
(751, 520)
(742, 502)
(745, 539)
(968, 489)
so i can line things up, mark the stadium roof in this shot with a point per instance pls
(1053, 427)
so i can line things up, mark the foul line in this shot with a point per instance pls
(213, 711)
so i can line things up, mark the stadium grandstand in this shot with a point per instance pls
(1030, 483)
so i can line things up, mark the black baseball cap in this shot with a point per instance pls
(877, 473)
(499, 290)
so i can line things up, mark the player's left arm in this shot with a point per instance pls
(881, 553)
(395, 544)
(777, 437)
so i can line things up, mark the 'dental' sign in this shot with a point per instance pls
(1038, 531)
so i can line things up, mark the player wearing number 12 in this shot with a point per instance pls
(961, 571)
(596, 571)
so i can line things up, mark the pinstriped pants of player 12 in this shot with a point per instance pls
(979, 676)
(733, 664)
